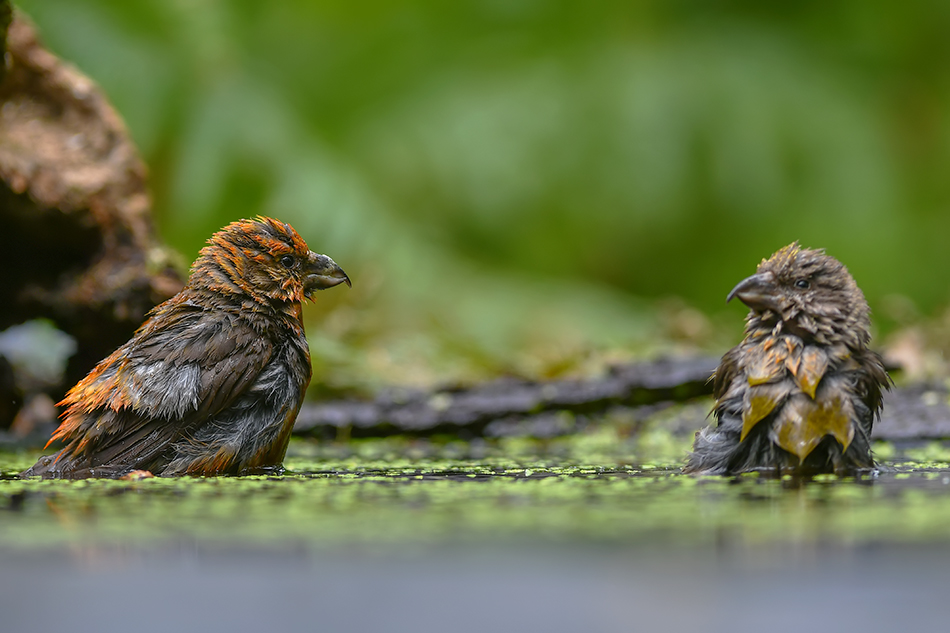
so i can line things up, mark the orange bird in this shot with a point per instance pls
(802, 390)
(212, 382)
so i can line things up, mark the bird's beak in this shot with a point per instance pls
(321, 273)
(757, 292)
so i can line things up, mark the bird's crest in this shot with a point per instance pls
(261, 233)
(793, 261)
(784, 256)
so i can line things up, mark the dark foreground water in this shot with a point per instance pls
(592, 533)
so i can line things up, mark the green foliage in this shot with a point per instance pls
(506, 180)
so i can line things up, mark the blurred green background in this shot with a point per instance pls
(538, 187)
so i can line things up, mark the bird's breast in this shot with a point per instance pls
(802, 391)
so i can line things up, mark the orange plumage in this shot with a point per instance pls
(212, 382)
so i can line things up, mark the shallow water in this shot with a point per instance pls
(601, 488)
(595, 532)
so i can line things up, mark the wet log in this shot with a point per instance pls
(914, 413)
(493, 407)
(80, 247)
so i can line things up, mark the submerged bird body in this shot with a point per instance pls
(802, 390)
(212, 382)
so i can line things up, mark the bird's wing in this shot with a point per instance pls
(872, 381)
(727, 370)
(180, 369)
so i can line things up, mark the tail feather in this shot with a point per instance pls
(64, 466)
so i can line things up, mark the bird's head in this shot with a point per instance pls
(265, 259)
(812, 294)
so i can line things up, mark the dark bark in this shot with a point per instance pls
(80, 247)
(497, 407)
(915, 412)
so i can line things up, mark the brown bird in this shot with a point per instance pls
(212, 382)
(802, 390)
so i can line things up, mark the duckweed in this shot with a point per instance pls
(596, 487)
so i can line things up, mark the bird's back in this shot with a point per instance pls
(199, 389)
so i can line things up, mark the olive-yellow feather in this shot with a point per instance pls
(802, 390)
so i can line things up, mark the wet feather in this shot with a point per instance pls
(212, 382)
(802, 390)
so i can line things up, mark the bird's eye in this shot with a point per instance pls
(803, 284)
(287, 261)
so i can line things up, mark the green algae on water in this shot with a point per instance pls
(599, 487)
